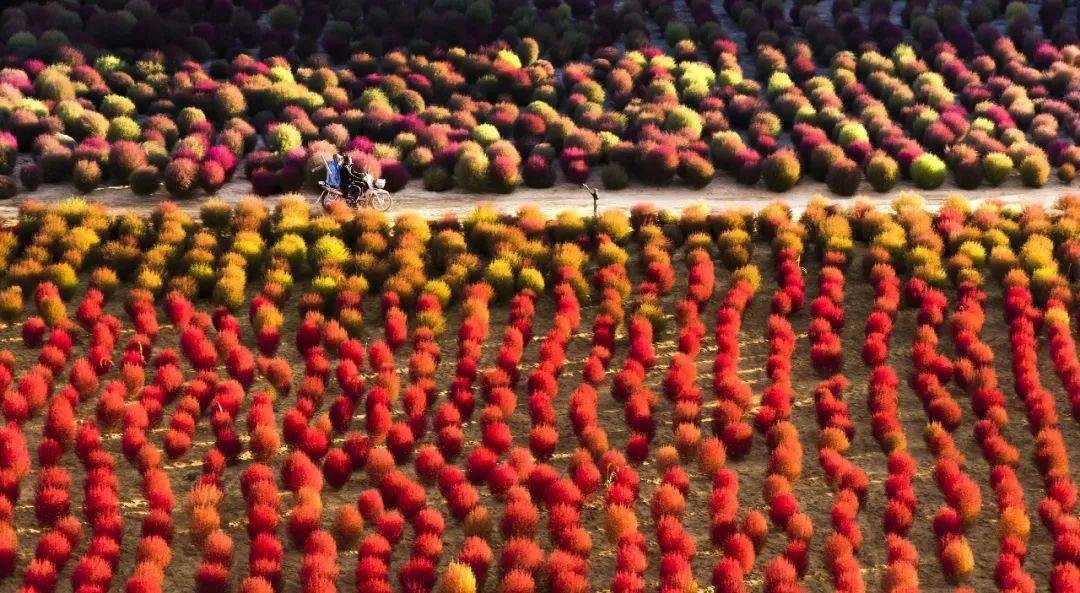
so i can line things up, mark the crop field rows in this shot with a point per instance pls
(180, 98)
(261, 400)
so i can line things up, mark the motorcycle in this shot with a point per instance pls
(355, 195)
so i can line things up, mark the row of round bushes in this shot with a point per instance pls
(406, 115)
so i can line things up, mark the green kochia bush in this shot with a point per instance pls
(997, 167)
(229, 102)
(882, 171)
(437, 178)
(471, 171)
(685, 121)
(485, 134)
(928, 171)
(781, 170)
(53, 84)
(285, 137)
(116, 106)
(500, 275)
(614, 176)
(188, 117)
(123, 128)
(695, 169)
(1034, 170)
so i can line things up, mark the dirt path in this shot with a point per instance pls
(721, 193)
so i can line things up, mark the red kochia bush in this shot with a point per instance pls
(33, 332)
(337, 467)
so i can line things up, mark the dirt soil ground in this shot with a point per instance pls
(721, 193)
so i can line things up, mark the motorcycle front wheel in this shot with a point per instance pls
(380, 200)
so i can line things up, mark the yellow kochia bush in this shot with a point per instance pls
(11, 302)
(329, 250)
(1037, 252)
(499, 274)
(291, 248)
(532, 279)
(568, 255)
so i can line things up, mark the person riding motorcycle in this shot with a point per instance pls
(348, 176)
(356, 188)
(364, 181)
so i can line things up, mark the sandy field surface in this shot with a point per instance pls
(721, 193)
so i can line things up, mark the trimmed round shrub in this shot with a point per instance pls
(265, 182)
(145, 180)
(1066, 173)
(882, 171)
(684, 121)
(505, 176)
(500, 276)
(1034, 170)
(8, 189)
(9, 149)
(284, 137)
(117, 105)
(123, 128)
(124, 157)
(528, 51)
(283, 17)
(928, 171)
(53, 84)
(180, 177)
(86, 175)
(614, 176)
(781, 170)
(91, 124)
(471, 171)
(211, 176)
(538, 172)
(56, 163)
(997, 167)
(229, 102)
(821, 157)
(967, 171)
(695, 169)
(437, 178)
(747, 166)
(395, 174)
(577, 171)
(30, 176)
(188, 117)
(485, 134)
(419, 159)
(659, 164)
(844, 177)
